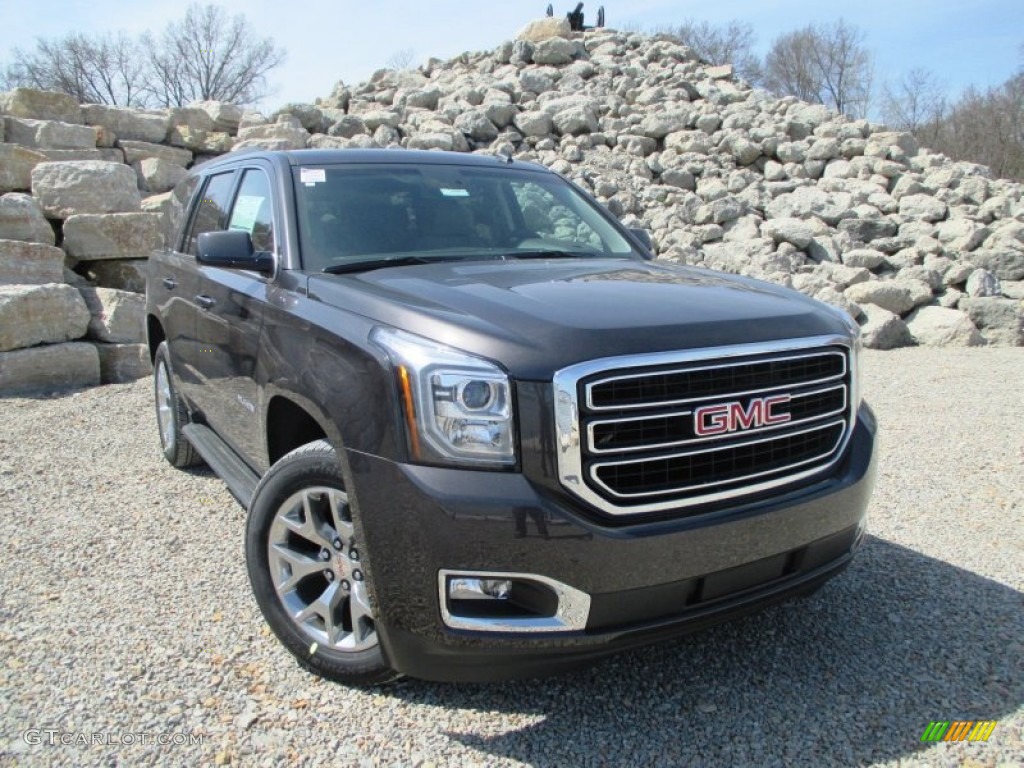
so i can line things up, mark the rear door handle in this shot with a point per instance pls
(205, 301)
(170, 283)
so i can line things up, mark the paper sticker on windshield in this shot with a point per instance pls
(310, 176)
(455, 192)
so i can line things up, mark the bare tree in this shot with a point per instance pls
(208, 56)
(915, 102)
(99, 70)
(731, 43)
(826, 64)
(987, 127)
(402, 59)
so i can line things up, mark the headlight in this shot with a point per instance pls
(457, 407)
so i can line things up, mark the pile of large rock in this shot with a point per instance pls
(84, 197)
(918, 248)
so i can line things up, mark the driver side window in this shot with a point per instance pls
(253, 211)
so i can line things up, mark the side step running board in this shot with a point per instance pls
(241, 480)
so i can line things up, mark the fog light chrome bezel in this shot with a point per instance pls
(570, 616)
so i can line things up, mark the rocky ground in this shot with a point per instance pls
(125, 610)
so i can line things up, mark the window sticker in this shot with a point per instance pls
(455, 192)
(311, 176)
(247, 208)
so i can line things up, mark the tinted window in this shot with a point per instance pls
(253, 210)
(349, 214)
(211, 213)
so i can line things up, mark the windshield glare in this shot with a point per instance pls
(352, 213)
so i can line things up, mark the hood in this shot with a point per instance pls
(535, 317)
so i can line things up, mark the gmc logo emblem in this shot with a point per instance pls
(729, 417)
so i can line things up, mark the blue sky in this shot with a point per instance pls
(963, 42)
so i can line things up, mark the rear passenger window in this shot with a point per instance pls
(211, 214)
(253, 210)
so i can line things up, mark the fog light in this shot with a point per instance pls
(466, 588)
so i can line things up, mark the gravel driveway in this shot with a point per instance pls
(125, 612)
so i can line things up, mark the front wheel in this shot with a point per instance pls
(307, 569)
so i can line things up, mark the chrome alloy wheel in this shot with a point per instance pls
(316, 572)
(164, 405)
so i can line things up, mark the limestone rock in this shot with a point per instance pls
(91, 237)
(888, 294)
(225, 116)
(282, 135)
(117, 316)
(1001, 321)
(121, 363)
(84, 186)
(982, 283)
(883, 330)
(940, 327)
(545, 29)
(49, 368)
(1005, 263)
(128, 124)
(32, 104)
(16, 164)
(157, 175)
(135, 151)
(48, 134)
(124, 275)
(30, 263)
(21, 218)
(40, 314)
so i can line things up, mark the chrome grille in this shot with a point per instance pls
(681, 430)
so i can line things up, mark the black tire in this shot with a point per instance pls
(308, 482)
(176, 447)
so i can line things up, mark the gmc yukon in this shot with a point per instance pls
(478, 431)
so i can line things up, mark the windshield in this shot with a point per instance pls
(349, 214)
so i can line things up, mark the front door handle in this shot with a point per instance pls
(170, 283)
(205, 301)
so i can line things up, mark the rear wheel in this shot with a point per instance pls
(307, 568)
(171, 413)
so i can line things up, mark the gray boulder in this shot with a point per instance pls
(882, 329)
(21, 218)
(40, 314)
(157, 175)
(1001, 321)
(127, 123)
(84, 186)
(940, 327)
(49, 368)
(30, 263)
(90, 237)
(40, 105)
(124, 275)
(48, 134)
(121, 363)
(16, 164)
(117, 316)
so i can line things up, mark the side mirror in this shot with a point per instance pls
(642, 235)
(232, 249)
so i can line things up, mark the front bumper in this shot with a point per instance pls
(647, 582)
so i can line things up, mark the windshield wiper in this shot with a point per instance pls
(549, 254)
(369, 264)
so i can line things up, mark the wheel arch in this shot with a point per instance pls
(155, 335)
(291, 421)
